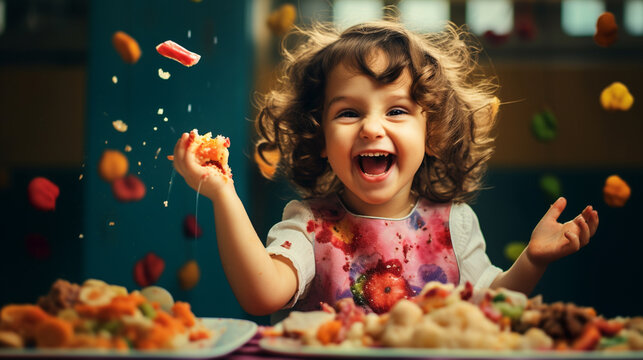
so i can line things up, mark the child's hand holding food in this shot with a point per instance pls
(203, 162)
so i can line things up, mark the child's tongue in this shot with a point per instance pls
(373, 165)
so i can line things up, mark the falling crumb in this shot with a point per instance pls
(165, 119)
(155, 128)
(114, 79)
(80, 177)
(105, 142)
(163, 74)
(111, 223)
(144, 143)
(189, 107)
(151, 187)
(128, 148)
(83, 165)
(159, 111)
(80, 236)
(138, 173)
(157, 153)
(216, 40)
(165, 203)
(189, 34)
(119, 125)
(139, 163)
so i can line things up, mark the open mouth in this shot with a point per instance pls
(373, 164)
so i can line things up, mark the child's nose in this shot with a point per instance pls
(371, 128)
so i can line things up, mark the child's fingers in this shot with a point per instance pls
(574, 241)
(556, 208)
(584, 230)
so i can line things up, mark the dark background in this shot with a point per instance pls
(57, 102)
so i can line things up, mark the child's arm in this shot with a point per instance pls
(261, 283)
(550, 241)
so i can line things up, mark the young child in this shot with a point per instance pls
(385, 133)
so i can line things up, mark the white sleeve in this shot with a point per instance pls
(290, 239)
(469, 246)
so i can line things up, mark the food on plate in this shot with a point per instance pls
(211, 152)
(148, 270)
(616, 191)
(43, 193)
(159, 295)
(606, 30)
(112, 165)
(443, 316)
(174, 51)
(128, 188)
(616, 97)
(98, 315)
(126, 46)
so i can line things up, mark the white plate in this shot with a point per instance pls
(237, 332)
(293, 347)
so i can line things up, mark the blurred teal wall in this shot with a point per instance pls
(213, 95)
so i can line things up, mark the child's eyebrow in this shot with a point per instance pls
(334, 100)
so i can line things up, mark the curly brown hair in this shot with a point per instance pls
(446, 82)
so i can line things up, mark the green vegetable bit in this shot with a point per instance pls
(613, 341)
(148, 310)
(511, 311)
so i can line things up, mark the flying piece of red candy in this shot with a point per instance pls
(174, 51)
(43, 193)
(128, 188)
(148, 270)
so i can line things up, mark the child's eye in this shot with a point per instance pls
(347, 113)
(397, 111)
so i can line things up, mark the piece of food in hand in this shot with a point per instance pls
(43, 193)
(174, 51)
(606, 30)
(616, 97)
(616, 191)
(126, 46)
(211, 152)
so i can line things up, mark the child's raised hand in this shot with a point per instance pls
(202, 179)
(552, 240)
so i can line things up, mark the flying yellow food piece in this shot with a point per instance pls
(616, 97)
(126, 46)
(616, 192)
(514, 249)
(282, 19)
(189, 275)
(112, 165)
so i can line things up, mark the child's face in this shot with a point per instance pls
(375, 139)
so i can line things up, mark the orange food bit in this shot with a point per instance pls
(53, 333)
(282, 19)
(112, 165)
(189, 275)
(606, 30)
(616, 192)
(182, 312)
(126, 46)
(328, 331)
(22, 319)
(211, 152)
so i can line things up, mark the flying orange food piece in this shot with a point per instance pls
(174, 51)
(606, 30)
(616, 97)
(43, 193)
(189, 275)
(282, 19)
(616, 192)
(112, 165)
(126, 46)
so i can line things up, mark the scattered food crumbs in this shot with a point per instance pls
(165, 203)
(111, 223)
(174, 51)
(105, 142)
(158, 151)
(80, 177)
(139, 163)
(81, 236)
(189, 107)
(144, 143)
(114, 79)
(216, 40)
(616, 191)
(189, 275)
(43, 193)
(189, 34)
(170, 157)
(151, 187)
(159, 111)
(128, 148)
(155, 128)
(126, 46)
(164, 74)
(119, 125)
(616, 97)
(112, 165)
(165, 119)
